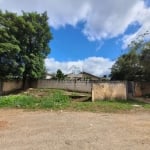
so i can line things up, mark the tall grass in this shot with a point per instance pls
(55, 100)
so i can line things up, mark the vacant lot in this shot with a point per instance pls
(46, 130)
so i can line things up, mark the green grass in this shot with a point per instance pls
(101, 106)
(54, 100)
(110, 106)
(57, 100)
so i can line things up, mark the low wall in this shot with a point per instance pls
(81, 86)
(109, 90)
(10, 86)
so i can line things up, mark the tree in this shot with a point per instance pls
(145, 61)
(9, 48)
(60, 75)
(135, 65)
(34, 44)
(127, 67)
(26, 40)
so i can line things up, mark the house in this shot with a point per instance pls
(82, 76)
(49, 76)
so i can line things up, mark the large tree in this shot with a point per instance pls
(145, 61)
(9, 47)
(135, 65)
(35, 33)
(31, 35)
(127, 67)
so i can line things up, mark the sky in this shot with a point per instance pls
(88, 35)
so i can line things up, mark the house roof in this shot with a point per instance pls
(83, 73)
(90, 74)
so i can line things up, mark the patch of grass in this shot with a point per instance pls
(101, 106)
(110, 106)
(147, 106)
(57, 100)
(54, 100)
(16, 101)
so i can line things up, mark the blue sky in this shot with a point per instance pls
(70, 44)
(88, 34)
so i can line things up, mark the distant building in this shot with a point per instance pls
(82, 76)
(48, 76)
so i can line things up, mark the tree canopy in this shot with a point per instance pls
(9, 47)
(24, 44)
(135, 65)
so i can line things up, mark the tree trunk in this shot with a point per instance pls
(1, 87)
(25, 84)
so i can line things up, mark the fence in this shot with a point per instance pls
(100, 90)
(81, 86)
(9, 86)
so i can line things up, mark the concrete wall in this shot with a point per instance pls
(145, 88)
(9, 86)
(81, 86)
(101, 90)
(137, 89)
(109, 90)
(141, 88)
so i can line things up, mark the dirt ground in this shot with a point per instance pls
(46, 130)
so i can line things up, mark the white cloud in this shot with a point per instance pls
(111, 18)
(103, 18)
(142, 17)
(95, 65)
(60, 12)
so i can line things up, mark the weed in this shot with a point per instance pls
(56, 99)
